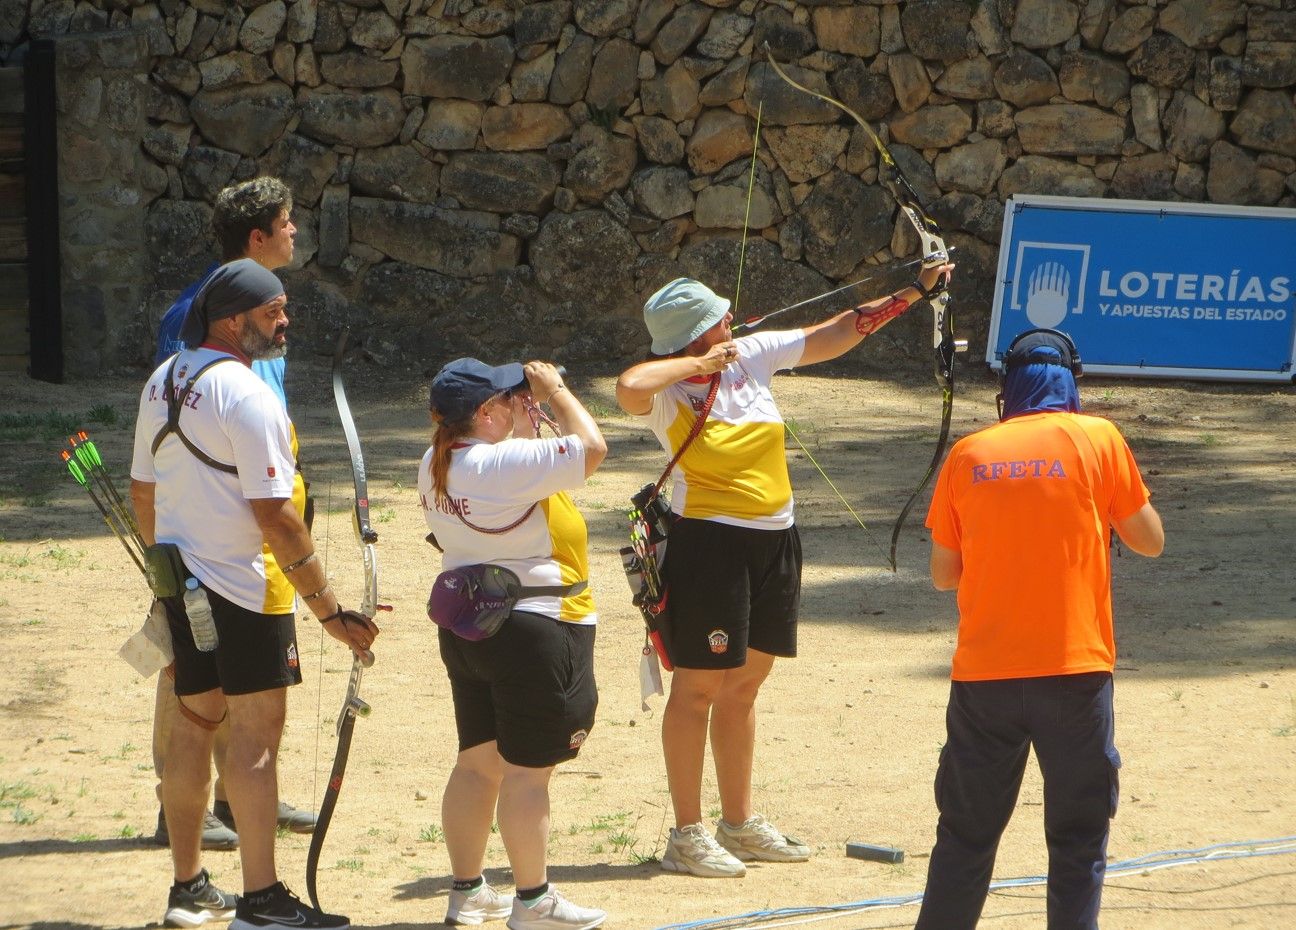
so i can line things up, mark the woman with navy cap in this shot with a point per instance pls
(495, 493)
(732, 500)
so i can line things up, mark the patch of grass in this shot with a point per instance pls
(105, 414)
(385, 515)
(14, 791)
(621, 840)
(127, 831)
(24, 815)
(15, 560)
(802, 432)
(1176, 694)
(351, 865)
(63, 557)
(84, 838)
(1288, 729)
(601, 411)
(432, 833)
(52, 424)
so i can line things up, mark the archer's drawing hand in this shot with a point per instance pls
(718, 357)
(544, 380)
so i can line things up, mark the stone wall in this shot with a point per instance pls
(505, 178)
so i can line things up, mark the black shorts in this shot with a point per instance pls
(530, 687)
(731, 587)
(254, 652)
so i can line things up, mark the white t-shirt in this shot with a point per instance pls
(492, 485)
(232, 416)
(735, 471)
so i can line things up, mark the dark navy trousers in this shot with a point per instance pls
(991, 726)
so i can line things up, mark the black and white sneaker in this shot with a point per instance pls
(276, 906)
(194, 908)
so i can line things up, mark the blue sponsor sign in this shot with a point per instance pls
(1151, 289)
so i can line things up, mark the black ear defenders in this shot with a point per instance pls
(1024, 350)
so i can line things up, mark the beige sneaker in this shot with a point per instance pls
(756, 838)
(694, 851)
(554, 912)
(482, 905)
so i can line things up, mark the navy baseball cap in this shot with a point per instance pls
(461, 386)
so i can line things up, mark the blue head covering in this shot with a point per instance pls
(1038, 375)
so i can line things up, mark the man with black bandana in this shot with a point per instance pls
(250, 219)
(1021, 521)
(213, 473)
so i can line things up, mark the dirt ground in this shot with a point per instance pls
(848, 732)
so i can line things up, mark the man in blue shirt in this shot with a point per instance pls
(250, 220)
(253, 220)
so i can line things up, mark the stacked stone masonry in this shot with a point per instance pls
(511, 178)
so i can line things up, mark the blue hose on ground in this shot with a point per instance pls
(1245, 849)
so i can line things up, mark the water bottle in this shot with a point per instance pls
(201, 622)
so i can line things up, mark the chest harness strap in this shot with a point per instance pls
(175, 403)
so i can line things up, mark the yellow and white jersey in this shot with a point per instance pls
(235, 418)
(491, 485)
(735, 471)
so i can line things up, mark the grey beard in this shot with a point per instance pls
(260, 348)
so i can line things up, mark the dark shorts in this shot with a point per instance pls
(530, 687)
(730, 588)
(255, 652)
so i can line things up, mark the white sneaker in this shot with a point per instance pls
(756, 838)
(694, 851)
(554, 912)
(484, 904)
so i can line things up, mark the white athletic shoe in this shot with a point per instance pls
(554, 912)
(693, 850)
(756, 838)
(484, 904)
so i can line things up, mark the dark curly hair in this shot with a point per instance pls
(241, 208)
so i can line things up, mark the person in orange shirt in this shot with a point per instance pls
(1021, 523)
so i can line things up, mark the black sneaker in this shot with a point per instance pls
(195, 908)
(215, 834)
(288, 817)
(279, 907)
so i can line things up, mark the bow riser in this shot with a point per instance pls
(935, 253)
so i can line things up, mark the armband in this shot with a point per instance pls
(318, 594)
(869, 321)
(299, 563)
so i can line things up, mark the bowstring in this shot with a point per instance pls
(841, 497)
(751, 187)
(319, 666)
